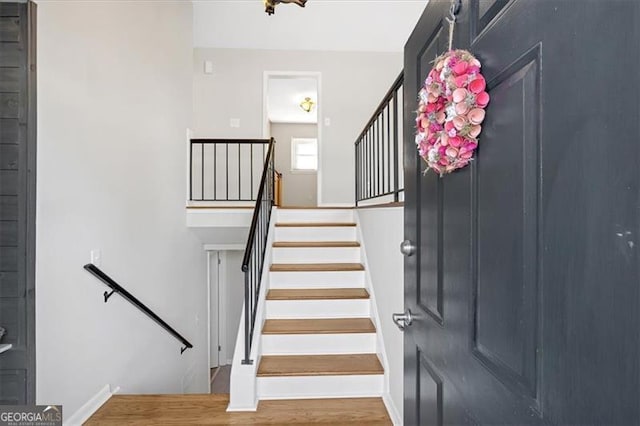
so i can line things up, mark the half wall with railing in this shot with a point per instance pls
(378, 151)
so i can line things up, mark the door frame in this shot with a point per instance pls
(265, 114)
(28, 183)
(221, 251)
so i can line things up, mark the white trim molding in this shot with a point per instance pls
(91, 406)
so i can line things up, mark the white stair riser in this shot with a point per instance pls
(318, 344)
(320, 387)
(349, 308)
(307, 216)
(317, 255)
(342, 279)
(320, 233)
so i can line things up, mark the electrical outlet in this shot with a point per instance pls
(96, 257)
(234, 122)
(327, 122)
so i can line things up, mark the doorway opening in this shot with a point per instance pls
(226, 293)
(292, 115)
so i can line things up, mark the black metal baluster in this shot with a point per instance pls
(227, 169)
(215, 171)
(202, 171)
(191, 171)
(251, 171)
(388, 111)
(395, 147)
(239, 173)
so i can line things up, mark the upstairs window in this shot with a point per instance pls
(304, 155)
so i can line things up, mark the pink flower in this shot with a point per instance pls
(478, 85)
(470, 145)
(423, 148)
(461, 67)
(459, 122)
(444, 140)
(456, 142)
(482, 99)
(475, 131)
(432, 98)
(452, 152)
(461, 80)
(466, 155)
(473, 69)
(462, 108)
(448, 126)
(476, 116)
(452, 132)
(459, 95)
(440, 117)
(431, 108)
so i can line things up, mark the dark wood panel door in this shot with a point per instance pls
(17, 201)
(525, 281)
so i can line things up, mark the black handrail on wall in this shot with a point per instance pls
(254, 254)
(377, 150)
(117, 288)
(211, 170)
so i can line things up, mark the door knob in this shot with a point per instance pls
(403, 320)
(407, 248)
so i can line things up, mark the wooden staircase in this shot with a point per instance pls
(318, 339)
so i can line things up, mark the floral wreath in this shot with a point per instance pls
(451, 109)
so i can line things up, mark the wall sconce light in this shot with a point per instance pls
(307, 104)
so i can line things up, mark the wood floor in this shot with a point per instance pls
(211, 410)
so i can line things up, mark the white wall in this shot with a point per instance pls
(298, 188)
(352, 86)
(114, 103)
(382, 232)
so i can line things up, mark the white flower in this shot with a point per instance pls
(433, 155)
(451, 112)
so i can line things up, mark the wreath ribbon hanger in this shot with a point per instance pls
(452, 18)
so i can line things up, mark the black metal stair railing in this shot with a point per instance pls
(117, 288)
(378, 150)
(225, 169)
(255, 251)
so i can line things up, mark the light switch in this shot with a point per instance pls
(96, 257)
(208, 67)
(234, 122)
(327, 122)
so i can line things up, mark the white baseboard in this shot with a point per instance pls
(91, 406)
(396, 418)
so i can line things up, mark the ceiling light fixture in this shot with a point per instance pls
(270, 5)
(307, 104)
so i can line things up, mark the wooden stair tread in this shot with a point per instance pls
(319, 365)
(201, 409)
(314, 224)
(316, 267)
(314, 244)
(318, 326)
(318, 294)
